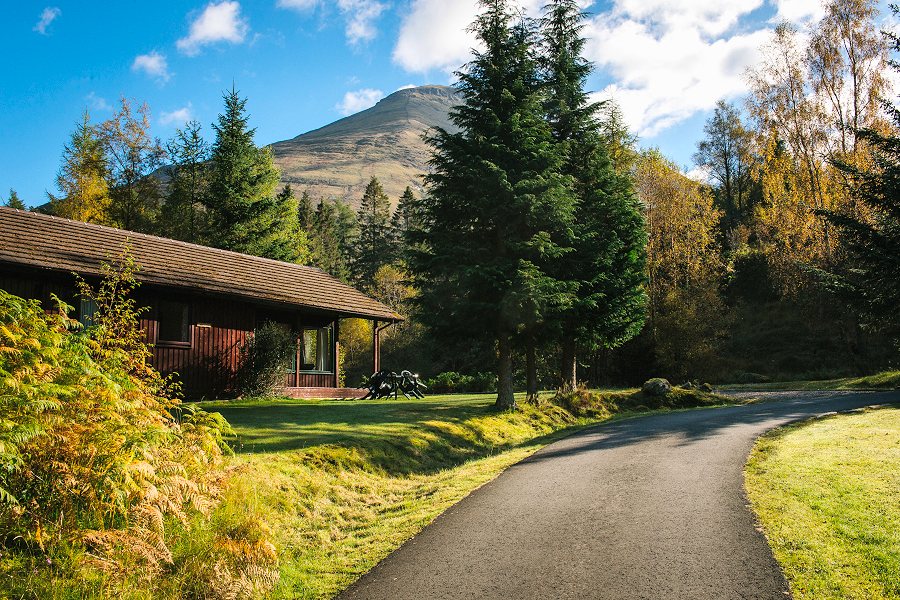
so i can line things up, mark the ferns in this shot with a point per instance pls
(95, 448)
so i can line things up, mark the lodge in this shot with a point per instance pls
(201, 302)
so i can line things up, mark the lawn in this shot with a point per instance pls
(886, 380)
(827, 494)
(341, 484)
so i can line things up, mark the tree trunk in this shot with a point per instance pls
(569, 380)
(505, 396)
(531, 386)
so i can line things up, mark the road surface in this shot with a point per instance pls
(650, 507)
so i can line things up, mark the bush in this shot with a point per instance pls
(96, 451)
(264, 357)
(451, 382)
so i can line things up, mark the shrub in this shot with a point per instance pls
(264, 357)
(451, 382)
(96, 451)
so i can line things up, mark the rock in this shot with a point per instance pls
(706, 388)
(687, 386)
(656, 387)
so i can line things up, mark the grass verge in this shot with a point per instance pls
(886, 380)
(827, 493)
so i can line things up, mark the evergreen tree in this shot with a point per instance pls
(331, 238)
(374, 244)
(495, 202)
(181, 215)
(82, 183)
(870, 281)
(132, 156)
(607, 264)
(243, 212)
(402, 222)
(305, 212)
(14, 201)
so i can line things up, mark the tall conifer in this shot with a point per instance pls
(374, 245)
(243, 212)
(607, 264)
(495, 202)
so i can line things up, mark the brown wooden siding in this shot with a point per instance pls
(218, 328)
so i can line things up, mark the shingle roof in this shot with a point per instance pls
(33, 239)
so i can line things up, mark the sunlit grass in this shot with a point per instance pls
(886, 380)
(828, 496)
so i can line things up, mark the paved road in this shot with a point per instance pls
(651, 507)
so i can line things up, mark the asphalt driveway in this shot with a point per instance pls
(651, 507)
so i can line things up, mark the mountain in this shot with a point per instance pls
(384, 141)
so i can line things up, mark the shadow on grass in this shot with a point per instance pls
(775, 409)
(409, 438)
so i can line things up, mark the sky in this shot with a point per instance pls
(305, 63)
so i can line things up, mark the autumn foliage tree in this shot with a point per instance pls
(82, 178)
(684, 267)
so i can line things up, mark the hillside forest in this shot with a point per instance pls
(549, 248)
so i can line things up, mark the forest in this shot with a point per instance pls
(550, 248)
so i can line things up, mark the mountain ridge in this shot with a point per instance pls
(385, 141)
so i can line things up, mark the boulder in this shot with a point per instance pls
(656, 387)
(706, 388)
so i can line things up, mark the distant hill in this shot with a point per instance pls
(385, 141)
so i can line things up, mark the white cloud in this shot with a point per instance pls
(219, 22)
(98, 103)
(799, 10)
(354, 102)
(179, 116)
(48, 15)
(359, 16)
(153, 64)
(297, 4)
(434, 34)
(665, 74)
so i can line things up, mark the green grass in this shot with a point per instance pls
(827, 494)
(887, 380)
(342, 484)
(335, 486)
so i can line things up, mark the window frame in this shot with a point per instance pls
(329, 348)
(188, 310)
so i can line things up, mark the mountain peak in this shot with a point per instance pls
(384, 141)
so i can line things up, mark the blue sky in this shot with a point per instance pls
(305, 63)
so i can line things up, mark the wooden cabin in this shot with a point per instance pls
(202, 302)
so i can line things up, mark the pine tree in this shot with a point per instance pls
(14, 201)
(495, 201)
(243, 212)
(132, 156)
(84, 193)
(374, 245)
(607, 264)
(181, 215)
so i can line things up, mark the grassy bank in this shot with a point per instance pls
(887, 380)
(827, 493)
(319, 491)
(342, 484)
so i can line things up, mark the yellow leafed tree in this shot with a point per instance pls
(82, 183)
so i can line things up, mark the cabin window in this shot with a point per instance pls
(317, 352)
(173, 326)
(87, 308)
